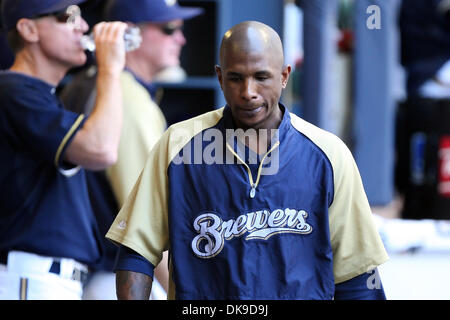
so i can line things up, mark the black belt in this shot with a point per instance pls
(77, 275)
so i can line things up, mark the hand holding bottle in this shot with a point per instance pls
(110, 46)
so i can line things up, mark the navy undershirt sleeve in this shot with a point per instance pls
(362, 287)
(130, 260)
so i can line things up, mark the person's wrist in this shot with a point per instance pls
(111, 73)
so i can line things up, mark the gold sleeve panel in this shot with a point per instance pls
(356, 244)
(142, 223)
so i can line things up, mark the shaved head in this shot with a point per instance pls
(252, 74)
(251, 37)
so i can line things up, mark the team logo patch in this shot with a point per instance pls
(213, 231)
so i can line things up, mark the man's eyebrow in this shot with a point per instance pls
(233, 74)
(263, 73)
(257, 73)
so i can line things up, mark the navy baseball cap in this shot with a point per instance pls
(138, 11)
(14, 10)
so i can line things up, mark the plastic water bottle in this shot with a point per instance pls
(132, 37)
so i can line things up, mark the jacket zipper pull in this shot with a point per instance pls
(252, 191)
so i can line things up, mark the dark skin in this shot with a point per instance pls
(133, 285)
(252, 77)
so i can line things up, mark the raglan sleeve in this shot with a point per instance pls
(142, 222)
(357, 246)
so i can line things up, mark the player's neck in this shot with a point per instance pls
(260, 137)
(26, 62)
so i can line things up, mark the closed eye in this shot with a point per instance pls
(232, 76)
(263, 75)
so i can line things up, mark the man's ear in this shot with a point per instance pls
(285, 75)
(219, 74)
(28, 30)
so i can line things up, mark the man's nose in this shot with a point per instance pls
(249, 90)
(179, 36)
(81, 24)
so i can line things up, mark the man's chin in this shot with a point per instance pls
(75, 64)
(80, 61)
(171, 73)
(249, 122)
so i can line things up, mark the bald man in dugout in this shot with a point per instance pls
(252, 76)
(319, 175)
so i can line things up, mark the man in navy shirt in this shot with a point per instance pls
(48, 233)
(252, 201)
